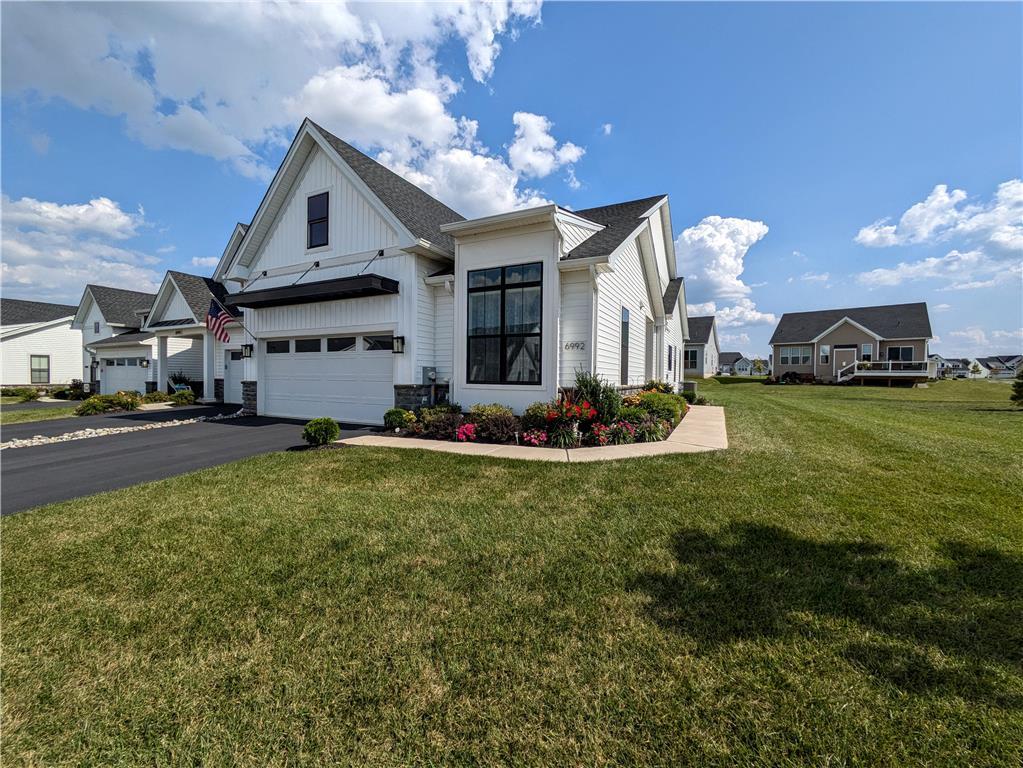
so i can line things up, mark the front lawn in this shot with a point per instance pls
(35, 414)
(843, 586)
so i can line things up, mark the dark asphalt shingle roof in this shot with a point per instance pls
(421, 213)
(699, 329)
(729, 358)
(119, 306)
(997, 360)
(671, 295)
(24, 312)
(135, 337)
(197, 292)
(620, 220)
(891, 321)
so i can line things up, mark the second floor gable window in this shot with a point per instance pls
(317, 220)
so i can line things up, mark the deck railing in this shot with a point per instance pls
(887, 368)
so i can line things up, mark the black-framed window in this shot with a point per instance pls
(236, 355)
(341, 344)
(625, 346)
(671, 356)
(40, 369)
(317, 220)
(308, 345)
(505, 311)
(280, 346)
(900, 354)
(95, 326)
(689, 358)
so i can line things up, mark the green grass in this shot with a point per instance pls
(35, 414)
(8, 400)
(843, 586)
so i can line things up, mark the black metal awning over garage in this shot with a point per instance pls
(356, 287)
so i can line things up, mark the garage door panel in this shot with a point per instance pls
(348, 386)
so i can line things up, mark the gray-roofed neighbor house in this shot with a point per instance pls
(197, 292)
(120, 306)
(23, 312)
(702, 350)
(885, 343)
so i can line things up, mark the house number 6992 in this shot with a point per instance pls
(575, 345)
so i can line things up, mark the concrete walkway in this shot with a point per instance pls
(703, 429)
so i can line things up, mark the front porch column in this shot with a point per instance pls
(209, 371)
(161, 364)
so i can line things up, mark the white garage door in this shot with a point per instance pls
(122, 373)
(348, 378)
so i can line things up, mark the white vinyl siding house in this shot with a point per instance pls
(701, 349)
(37, 343)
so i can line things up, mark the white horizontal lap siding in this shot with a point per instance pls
(673, 338)
(573, 234)
(576, 324)
(354, 225)
(60, 342)
(625, 286)
(184, 355)
(425, 318)
(89, 336)
(444, 327)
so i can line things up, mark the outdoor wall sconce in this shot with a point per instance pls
(246, 350)
(399, 345)
(143, 363)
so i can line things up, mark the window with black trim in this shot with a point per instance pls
(40, 365)
(278, 347)
(95, 326)
(505, 307)
(341, 344)
(236, 355)
(900, 354)
(689, 358)
(671, 356)
(624, 352)
(317, 220)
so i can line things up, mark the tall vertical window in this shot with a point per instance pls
(317, 220)
(625, 346)
(95, 327)
(40, 365)
(671, 356)
(690, 358)
(867, 352)
(504, 319)
(825, 350)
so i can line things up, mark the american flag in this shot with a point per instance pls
(216, 320)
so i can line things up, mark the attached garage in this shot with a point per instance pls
(121, 373)
(348, 378)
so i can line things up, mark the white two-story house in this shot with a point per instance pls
(352, 290)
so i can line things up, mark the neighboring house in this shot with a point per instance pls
(728, 360)
(357, 291)
(38, 344)
(1000, 366)
(950, 367)
(115, 353)
(701, 352)
(743, 366)
(859, 343)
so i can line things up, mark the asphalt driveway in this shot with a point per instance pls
(44, 474)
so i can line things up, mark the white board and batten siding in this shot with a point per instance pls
(60, 342)
(354, 225)
(624, 287)
(177, 309)
(576, 326)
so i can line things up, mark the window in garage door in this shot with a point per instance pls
(378, 343)
(277, 347)
(341, 344)
(307, 345)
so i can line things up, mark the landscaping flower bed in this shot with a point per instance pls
(595, 415)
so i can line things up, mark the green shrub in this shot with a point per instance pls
(428, 412)
(179, 377)
(535, 416)
(663, 406)
(688, 395)
(484, 410)
(156, 396)
(398, 418)
(496, 427)
(76, 390)
(442, 426)
(632, 414)
(28, 394)
(321, 431)
(96, 404)
(602, 395)
(656, 385)
(126, 401)
(183, 397)
(651, 430)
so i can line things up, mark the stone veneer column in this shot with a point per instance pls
(249, 397)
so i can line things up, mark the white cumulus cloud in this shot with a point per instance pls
(534, 151)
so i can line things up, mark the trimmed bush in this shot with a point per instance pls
(427, 412)
(321, 431)
(127, 401)
(156, 396)
(688, 395)
(398, 418)
(443, 426)
(633, 414)
(96, 404)
(184, 397)
(483, 411)
(28, 394)
(603, 396)
(663, 406)
(497, 428)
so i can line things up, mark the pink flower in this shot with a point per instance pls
(466, 433)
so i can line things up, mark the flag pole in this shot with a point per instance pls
(233, 318)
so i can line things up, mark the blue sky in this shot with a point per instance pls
(816, 155)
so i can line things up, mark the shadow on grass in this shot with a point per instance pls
(938, 630)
